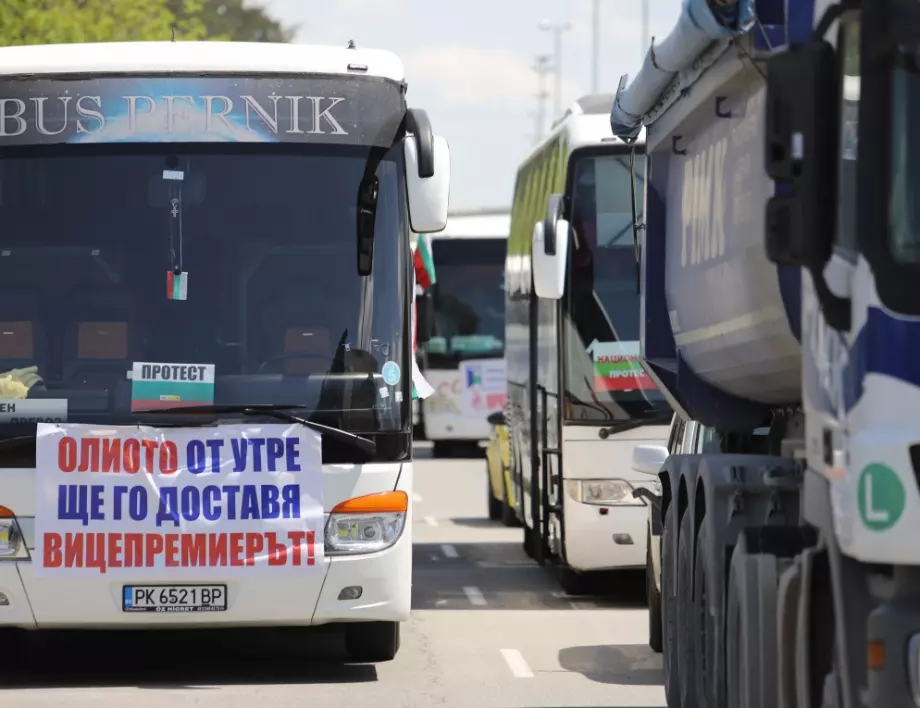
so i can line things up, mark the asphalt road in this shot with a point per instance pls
(489, 629)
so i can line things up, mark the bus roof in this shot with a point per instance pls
(479, 223)
(585, 122)
(211, 57)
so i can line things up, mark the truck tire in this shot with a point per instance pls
(751, 664)
(705, 627)
(372, 642)
(686, 615)
(669, 612)
(653, 596)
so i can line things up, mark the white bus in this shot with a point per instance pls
(462, 330)
(208, 243)
(578, 401)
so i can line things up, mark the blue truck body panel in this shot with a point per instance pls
(721, 324)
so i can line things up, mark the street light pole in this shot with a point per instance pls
(595, 44)
(557, 29)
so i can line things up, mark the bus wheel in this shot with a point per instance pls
(372, 642)
(574, 583)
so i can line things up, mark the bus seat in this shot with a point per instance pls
(313, 341)
(101, 339)
(288, 322)
(22, 331)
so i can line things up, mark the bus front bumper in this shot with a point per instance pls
(604, 537)
(315, 597)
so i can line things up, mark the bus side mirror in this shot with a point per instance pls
(427, 183)
(550, 250)
(648, 459)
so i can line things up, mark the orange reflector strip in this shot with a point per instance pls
(374, 503)
(875, 656)
(6, 513)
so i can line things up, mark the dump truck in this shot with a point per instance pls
(779, 263)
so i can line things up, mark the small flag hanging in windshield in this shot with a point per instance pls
(176, 285)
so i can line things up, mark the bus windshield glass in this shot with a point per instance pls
(143, 275)
(468, 300)
(604, 380)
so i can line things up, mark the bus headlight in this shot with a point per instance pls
(366, 524)
(602, 492)
(12, 544)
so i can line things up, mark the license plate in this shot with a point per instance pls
(174, 598)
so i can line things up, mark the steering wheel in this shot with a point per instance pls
(290, 355)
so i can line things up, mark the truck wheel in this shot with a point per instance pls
(751, 626)
(372, 642)
(653, 595)
(495, 505)
(686, 614)
(669, 612)
(705, 626)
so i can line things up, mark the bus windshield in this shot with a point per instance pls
(604, 380)
(191, 241)
(124, 292)
(468, 300)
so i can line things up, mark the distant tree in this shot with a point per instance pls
(237, 20)
(67, 21)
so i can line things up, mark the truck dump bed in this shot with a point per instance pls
(721, 323)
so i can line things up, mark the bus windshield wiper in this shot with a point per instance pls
(277, 410)
(625, 425)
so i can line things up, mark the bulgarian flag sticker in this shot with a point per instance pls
(617, 368)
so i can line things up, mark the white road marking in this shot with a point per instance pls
(431, 521)
(416, 497)
(449, 551)
(474, 595)
(517, 663)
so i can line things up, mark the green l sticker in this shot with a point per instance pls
(881, 497)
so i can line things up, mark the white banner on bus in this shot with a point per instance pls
(142, 502)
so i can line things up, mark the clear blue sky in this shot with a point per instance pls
(468, 63)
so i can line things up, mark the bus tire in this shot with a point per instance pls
(372, 642)
(653, 595)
